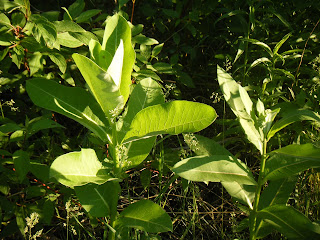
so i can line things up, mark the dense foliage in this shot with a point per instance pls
(100, 100)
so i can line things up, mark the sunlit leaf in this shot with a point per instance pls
(288, 221)
(291, 117)
(217, 168)
(171, 118)
(146, 93)
(75, 103)
(118, 32)
(59, 60)
(241, 104)
(145, 215)
(243, 193)
(101, 84)
(85, 16)
(205, 146)
(291, 160)
(79, 168)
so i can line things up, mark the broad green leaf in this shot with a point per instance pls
(143, 40)
(6, 38)
(21, 164)
(208, 147)
(68, 26)
(116, 65)
(98, 199)
(102, 86)
(118, 32)
(217, 168)
(5, 153)
(20, 219)
(4, 20)
(163, 68)
(17, 136)
(35, 63)
(277, 192)
(137, 151)
(75, 9)
(18, 19)
(72, 35)
(9, 127)
(41, 171)
(43, 29)
(79, 168)
(146, 93)
(263, 229)
(3, 53)
(170, 118)
(59, 60)
(83, 37)
(246, 100)
(205, 146)
(99, 56)
(145, 215)
(51, 15)
(146, 73)
(75, 103)
(136, 29)
(156, 50)
(65, 39)
(291, 160)
(85, 16)
(291, 117)
(288, 221)
(243, 193)
(185, 79)
(241, 104)
(260, 108)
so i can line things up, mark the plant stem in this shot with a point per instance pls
(253, 214)
(111, 226)
(1, 109)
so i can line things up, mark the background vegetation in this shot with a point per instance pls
(271, 48)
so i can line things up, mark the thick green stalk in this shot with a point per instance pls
(253, 214)
(112, 223)
(111, 232)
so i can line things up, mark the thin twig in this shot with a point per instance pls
(133, 2)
